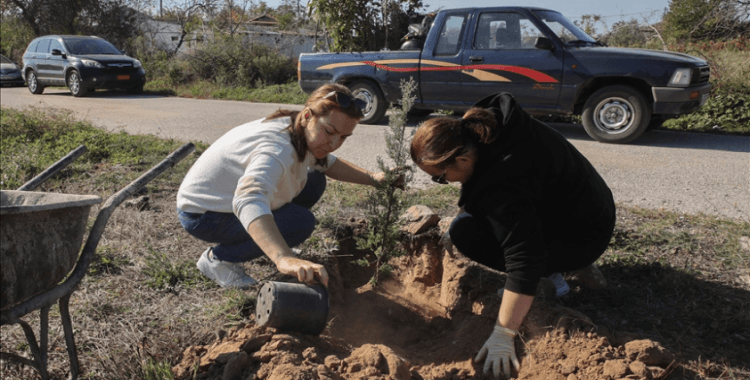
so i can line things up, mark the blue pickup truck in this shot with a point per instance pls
(551, 66)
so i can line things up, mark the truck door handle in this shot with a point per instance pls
(476, 59)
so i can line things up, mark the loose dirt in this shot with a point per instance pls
(426, 321)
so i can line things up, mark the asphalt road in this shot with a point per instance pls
(684, 172)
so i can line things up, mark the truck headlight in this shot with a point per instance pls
(90, 63)
(680, 78)
(137, 64)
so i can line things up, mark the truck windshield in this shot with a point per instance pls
(77, 45)
(563, 28)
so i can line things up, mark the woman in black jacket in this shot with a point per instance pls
(531, 204)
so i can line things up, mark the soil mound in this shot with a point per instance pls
(426, 321)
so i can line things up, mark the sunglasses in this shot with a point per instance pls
(345, 100)
(440, 179)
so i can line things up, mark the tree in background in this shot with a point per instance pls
(113, 20)
(358, 25)
(706, 19)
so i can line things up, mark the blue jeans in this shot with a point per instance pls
(295, 221)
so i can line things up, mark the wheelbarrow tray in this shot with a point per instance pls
(40, 240)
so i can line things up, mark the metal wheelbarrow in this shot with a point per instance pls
(40, 238)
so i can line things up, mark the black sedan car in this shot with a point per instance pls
(10, 73)
(81, 63)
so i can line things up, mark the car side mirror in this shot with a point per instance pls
(58, 52)
(544, 43)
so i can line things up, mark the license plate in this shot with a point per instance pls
(123, 77)
(704, 98)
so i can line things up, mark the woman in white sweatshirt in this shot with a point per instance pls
(251, 191)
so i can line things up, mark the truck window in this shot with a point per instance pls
(562, 27)
(450, 36)
(503, 30)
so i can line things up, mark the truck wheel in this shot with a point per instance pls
(616, 114)
(33, 83)
(75, 85)
(375, 102)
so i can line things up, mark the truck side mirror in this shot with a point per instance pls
(544, 43)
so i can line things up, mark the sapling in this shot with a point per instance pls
(387, 202)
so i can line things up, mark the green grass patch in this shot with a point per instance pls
(33, 139)
(164, 273)
(289, 93)
(106, 262)
(237, 306)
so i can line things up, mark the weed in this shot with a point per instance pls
(237, 305)
(157, 370)
(106, 261)
(165, 274)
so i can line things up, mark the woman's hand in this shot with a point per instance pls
(304, 270)
(398, 182)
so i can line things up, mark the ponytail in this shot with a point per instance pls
(481, 123)
(440, 140)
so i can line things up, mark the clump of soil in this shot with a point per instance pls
(427, 321)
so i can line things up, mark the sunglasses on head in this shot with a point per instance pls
(440, 179)
(345, 100)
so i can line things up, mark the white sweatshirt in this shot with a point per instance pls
(250, 170)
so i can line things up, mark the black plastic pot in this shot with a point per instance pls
(292, 307)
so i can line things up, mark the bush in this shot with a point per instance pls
(15, 36)
(727, 110)
(232, 61)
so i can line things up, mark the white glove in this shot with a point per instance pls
(446, 242)
(499, 349)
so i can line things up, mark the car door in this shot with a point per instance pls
(56, 63)
(501, 57)
(41, 55)
(440, 66)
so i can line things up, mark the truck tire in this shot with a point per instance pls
(616, 114)
(33, 83)
(375, 101)
(75, 85)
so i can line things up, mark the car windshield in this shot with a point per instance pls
(5, 60)
(89, 46)
(563, 28)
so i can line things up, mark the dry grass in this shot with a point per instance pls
(683, 280)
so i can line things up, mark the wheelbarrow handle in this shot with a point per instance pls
(95, 234)
(52, 170)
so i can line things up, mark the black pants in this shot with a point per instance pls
(474, 238)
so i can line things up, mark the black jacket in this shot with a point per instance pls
(534, 187)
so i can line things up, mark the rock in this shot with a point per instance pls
(255, 343)
(419, 219)
(234, 367)
(615, 369)
(332, 362)
(310, 354)
(745, 243)
(639, 368)
(649, 352)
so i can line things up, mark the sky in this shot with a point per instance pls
(611, 11)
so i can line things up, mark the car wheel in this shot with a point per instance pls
(616, 114)
(375, 105)
(137, 90)
(33, 84)
(75, 85)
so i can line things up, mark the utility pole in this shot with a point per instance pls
(161, 9)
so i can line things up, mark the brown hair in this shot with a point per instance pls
(319, 106)
(439, 141)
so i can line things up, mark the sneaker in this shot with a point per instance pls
(561, 286)
(227, 275)
(296, 251)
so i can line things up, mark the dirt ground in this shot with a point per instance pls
(427, 321)
(670, 311)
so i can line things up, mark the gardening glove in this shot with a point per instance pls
(499, 350)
